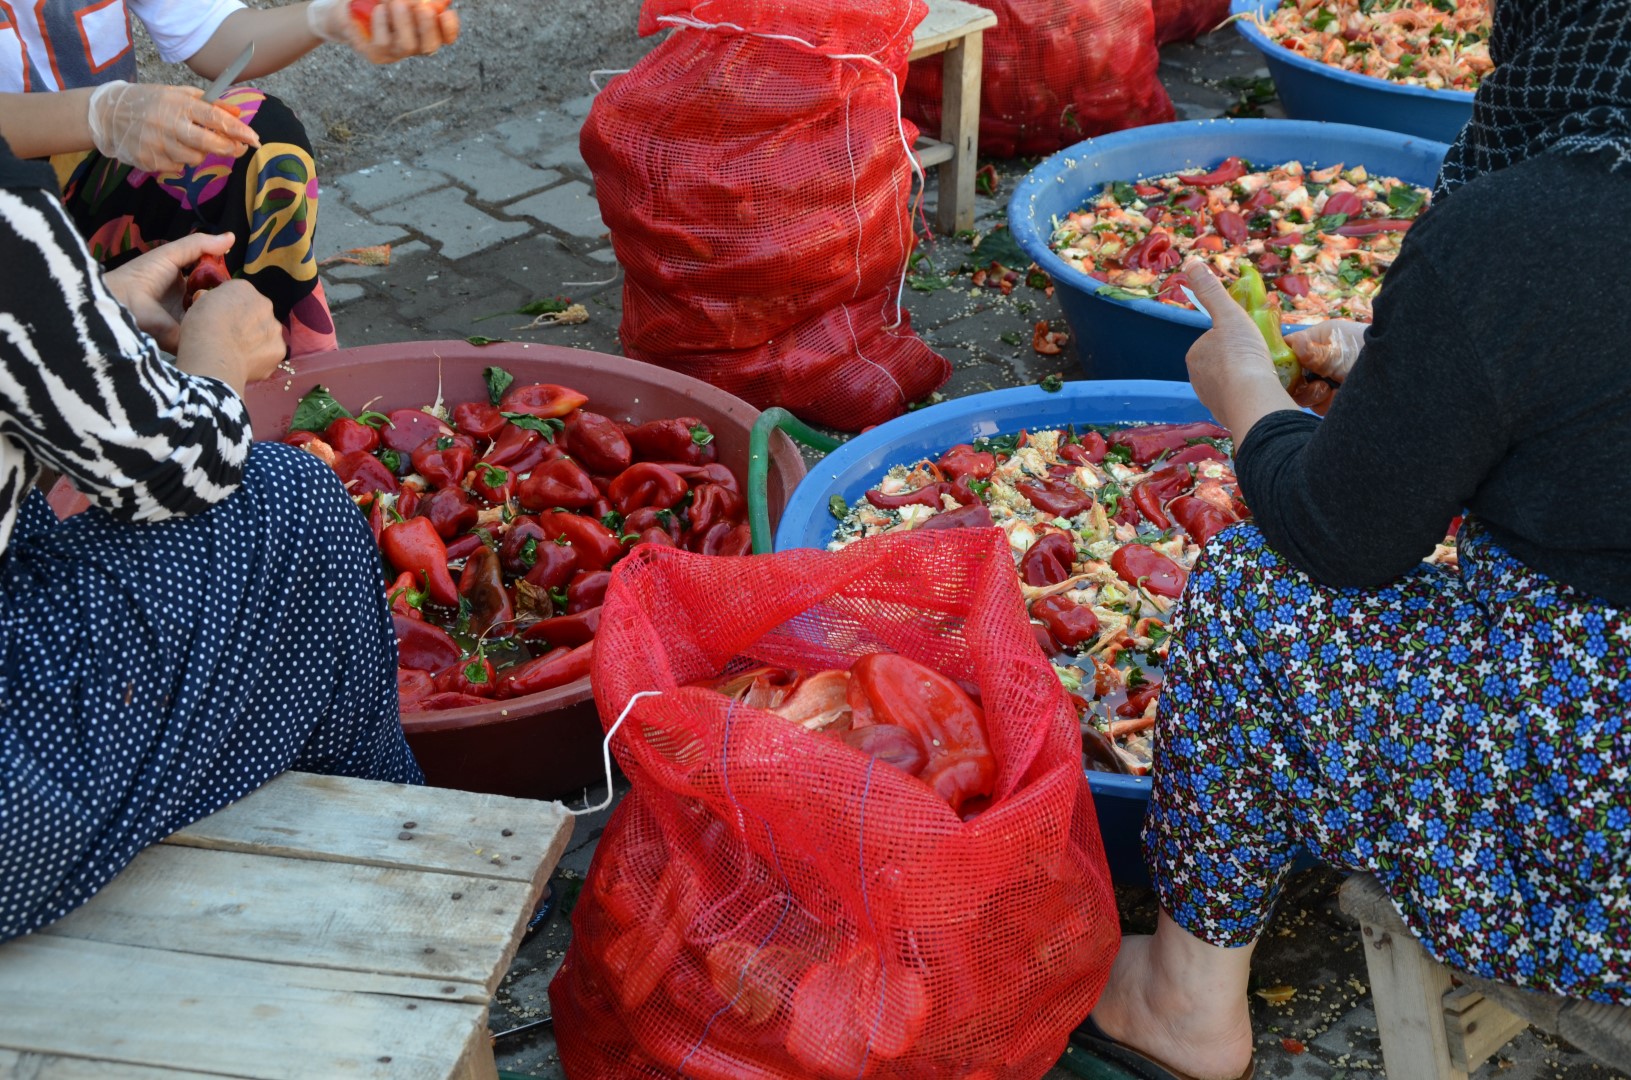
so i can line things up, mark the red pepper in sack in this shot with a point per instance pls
(1184, 20)
(1054, 74)
(864, 974)
(413, 547)
(781, 288)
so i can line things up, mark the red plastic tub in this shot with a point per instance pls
(546, 745)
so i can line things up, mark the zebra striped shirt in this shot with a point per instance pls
(85, 392)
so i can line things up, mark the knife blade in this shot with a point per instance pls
(233, 70)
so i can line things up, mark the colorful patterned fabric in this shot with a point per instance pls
(267, 198)
(1467, 739)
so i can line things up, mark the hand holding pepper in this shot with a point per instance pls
(1328, 350)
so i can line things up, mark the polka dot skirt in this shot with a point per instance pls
(155, 673)
(1466, 738)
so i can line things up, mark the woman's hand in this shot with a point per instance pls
(163, 128)
(230, 333)
(397, 29)
(1327, 349)
(150, 285)
(1229, 366)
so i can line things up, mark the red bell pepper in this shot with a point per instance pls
(1345, 203)
(474, 677)
(640, 957)
(1057, 498)
(363, 474)
(586, 590)
(599, 444)
(1150, 442)
(973, 516)
(594, 545)
(649, 517)
(850, 1010)
(492, 482)
(964, 460)
(517, 448)
(412, 687)
(478, 420)
(683, 439)
(405, 597)
(464, 546)
(484, 596)
(1232, 169)
(712, 504)
(424, 646)
(722, 538)
(1048, 561)
(1139, 698)
(1070, 624)
(1231, 226)
(413, 546)
(554, 565)
(208, 272)
(653, 535)
(645, 484)
(450, 510)
(1292, 284)
(568, 631)
(1138, 564)
(347, 436)
(444, 460)
(543, 400)
(712, 473)
(1088, 449)
(407, 428)
(558, 483)
(1200, 519)
(547, 672)
(903, 692)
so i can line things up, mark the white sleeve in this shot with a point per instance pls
(181, 27)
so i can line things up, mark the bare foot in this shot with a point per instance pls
(1192, 1020)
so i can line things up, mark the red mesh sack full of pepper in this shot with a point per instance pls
(755, 175)
(1183, 20)
(858, 840)
(1055, 72)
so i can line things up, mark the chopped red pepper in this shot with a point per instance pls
(1139, 565)
(963, 460)
(972, 516)
(1048, 561)
(905, 693)
(1070, 624)
(1057, 498)
(1149, 442)
(1231, 169)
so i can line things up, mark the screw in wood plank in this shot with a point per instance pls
(506, 832)
(410, 824)
(384, 1058)
(430, 949)
(404, 836)
(458, 896)
(450, 989)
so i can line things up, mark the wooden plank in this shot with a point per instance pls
(1475, 1027)
(478, 1061)
(303, 816)
(1407, 991)
(25, 1066)
(338, 915)
(946, 22)
(960, 126)
(66, 997)
(932, 152)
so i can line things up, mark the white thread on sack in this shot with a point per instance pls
(900, 125)
(594, 82)
(606, 753)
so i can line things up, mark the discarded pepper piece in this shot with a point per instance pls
(908, 694)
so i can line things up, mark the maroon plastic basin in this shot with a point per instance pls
(545, 745)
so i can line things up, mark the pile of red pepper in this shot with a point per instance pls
(891, 708)
(501, 527)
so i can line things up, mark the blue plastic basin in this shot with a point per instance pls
(1311, 90)
(1143, 339)
(857, 465)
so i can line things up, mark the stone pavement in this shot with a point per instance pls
(482, 226)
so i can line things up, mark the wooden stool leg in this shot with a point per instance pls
(1407, 990)
(960, 127)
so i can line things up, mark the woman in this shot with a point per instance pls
(215, 618)
(1467, 739)
(142, 165)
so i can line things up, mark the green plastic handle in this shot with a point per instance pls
(759, 465)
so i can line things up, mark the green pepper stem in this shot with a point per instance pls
(759, 466)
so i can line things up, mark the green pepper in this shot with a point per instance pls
(1250, 293)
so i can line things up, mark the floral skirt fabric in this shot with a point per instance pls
(1466, 738)
(267, 198)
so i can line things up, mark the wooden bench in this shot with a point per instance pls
(1437, 1023)
(318, 929)
(957, 30)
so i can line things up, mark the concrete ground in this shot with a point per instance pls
(497, 209)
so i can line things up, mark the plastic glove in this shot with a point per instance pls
(150, 285)
(163, 128)
(385, 31)
(1327, 349)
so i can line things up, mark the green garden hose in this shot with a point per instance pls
(759, 466)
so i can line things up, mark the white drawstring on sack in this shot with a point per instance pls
(606, 753)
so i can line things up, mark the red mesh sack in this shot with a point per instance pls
(758, 191)
(767, 901)
(1182, 20)
(1055, 73)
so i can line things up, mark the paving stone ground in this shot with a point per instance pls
(502, 217)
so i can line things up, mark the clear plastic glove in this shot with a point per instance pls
(150, 285)
(1327, 349)
(385, 31)
(163, 128)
